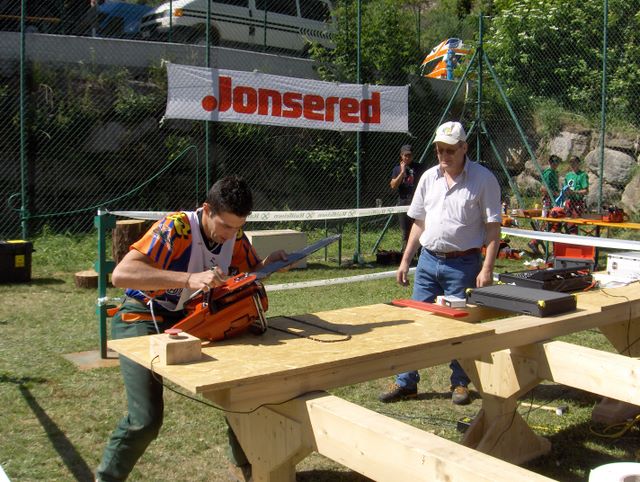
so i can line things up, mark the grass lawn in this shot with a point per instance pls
(55, 419)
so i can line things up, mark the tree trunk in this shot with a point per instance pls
(126, 232)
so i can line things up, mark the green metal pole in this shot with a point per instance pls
(384, 231)
(480, 69)
(603, 99)
(523, 137)
(356, 255)
(450, 104)
(104, 222)
(346, 19)
(207, 124)
(24, 208)
(496, 152)
(418, 30)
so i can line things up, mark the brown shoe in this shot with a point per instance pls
(396, 393)
(460, 395)
(240, 473)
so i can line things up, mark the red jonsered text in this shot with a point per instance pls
(268, 102)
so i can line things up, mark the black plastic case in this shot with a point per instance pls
(530, 301)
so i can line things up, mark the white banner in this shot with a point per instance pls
(201, 93)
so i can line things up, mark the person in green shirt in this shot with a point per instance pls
(578, 183)
(550, 178)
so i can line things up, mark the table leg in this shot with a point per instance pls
(272, 442)
(499, 430)
(625, 337)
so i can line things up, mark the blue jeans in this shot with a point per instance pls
(438, 276)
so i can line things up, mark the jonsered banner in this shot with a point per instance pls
(201, 93)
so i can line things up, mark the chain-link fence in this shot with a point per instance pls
(83, 94)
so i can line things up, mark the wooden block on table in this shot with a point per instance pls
(176, 349)
(267, 241)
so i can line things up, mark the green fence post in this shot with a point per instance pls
(103, 221)
(357, 257)
(603, 101)
(384, 230)
(24, 209)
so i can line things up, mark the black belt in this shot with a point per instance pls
(453, 254)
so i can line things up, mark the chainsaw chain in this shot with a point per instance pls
(309, 337)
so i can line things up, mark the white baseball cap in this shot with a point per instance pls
(450, 133)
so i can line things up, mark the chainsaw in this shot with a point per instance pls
(239, 305)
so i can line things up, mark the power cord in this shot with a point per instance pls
(214, 406)
(616, 430)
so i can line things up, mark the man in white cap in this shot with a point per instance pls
(461, 200)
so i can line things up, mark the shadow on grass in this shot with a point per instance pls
(433, 395)
(547, 394)
(329, 476)
(575, 452)
(68, 453)
(47, 281)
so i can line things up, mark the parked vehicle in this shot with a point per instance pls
(290, 24)
(120, 19)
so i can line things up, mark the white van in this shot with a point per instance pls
(290, 24)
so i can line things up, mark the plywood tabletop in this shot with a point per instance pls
(299, 345)
(335, 348)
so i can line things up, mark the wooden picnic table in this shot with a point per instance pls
(300, 357)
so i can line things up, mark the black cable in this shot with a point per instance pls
(418, 417)
(212, 405)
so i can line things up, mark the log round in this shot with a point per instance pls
(126, 232)
(86, 279)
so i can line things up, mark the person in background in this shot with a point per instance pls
(456, 210)
(88, 23)
(577, 182)
(180, 254)
(550, 178)
(404, 178)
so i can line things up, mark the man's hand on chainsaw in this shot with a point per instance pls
(279, 255)
(206, 279)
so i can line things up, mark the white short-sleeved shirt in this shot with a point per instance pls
(455, 217)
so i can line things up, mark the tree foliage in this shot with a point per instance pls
(389, 49)
(554, 50)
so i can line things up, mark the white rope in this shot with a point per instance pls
(266, 216)
(270, 216)
(334, 281)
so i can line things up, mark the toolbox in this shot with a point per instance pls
(556, 279)
(625, 264)
(519, 299)
(573, 255)
(15, 261)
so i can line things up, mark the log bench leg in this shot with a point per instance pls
(499, 430)
(272, 442)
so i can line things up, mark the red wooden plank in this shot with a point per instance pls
(438, 309)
